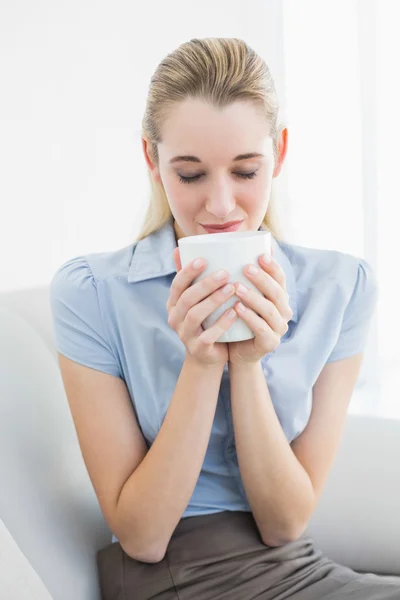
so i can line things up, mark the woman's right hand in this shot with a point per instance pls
(188, 306)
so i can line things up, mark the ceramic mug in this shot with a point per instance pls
(230, 251)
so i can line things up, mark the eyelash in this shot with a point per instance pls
(196, 177)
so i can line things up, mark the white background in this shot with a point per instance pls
(74, 79)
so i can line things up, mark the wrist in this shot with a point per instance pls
(244, 366)
(205, 367)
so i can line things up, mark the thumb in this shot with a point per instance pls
(177, 260)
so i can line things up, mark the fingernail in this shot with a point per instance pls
(241, 307)
(220, 275)
(228, 288)
(242, 289)
(252, 269)
(198, 263)
(232, 314)
(266, 258)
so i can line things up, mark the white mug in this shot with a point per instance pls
(230, 251)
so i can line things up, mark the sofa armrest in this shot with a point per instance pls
(18, 579)
(357, 522)
(47, 501)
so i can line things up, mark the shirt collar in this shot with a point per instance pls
(153, 257)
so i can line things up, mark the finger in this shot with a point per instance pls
(266, 338)
(177, 259)
(196, 293)
(200, 311)
(184, 278)
(274, 269)
(262, 307)
(211, 335)
(272, 290)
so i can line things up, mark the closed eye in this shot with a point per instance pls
(197, 177)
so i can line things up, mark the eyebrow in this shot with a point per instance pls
(189, 158)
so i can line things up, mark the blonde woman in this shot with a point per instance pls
(208, 458)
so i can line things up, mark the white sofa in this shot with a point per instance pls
(51, 525)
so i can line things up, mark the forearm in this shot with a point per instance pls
(277, 486)
(157, 493)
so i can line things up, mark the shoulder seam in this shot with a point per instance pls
(357, 270)
(117, 275)
(101, 316)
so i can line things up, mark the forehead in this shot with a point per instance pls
(197, 127)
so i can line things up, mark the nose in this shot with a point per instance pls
(220, 198)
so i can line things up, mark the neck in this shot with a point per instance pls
(178, 232)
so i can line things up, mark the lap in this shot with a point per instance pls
(221, 557)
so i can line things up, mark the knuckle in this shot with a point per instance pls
(180, 330)
(173, 289)
(219, 297)
(262, 331)
(184, 302)
(284, 329)
(171, 319)
(191, 316)
(225, 295)
(216, 299)
(287, 315)
(204, 341)
(274, 295)
(271, 312)
(211, 284)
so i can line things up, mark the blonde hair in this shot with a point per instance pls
(220, 71)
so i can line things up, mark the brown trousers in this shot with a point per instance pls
(220, 556)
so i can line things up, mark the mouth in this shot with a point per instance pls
(231, 226)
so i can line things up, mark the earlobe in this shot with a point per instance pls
(282, 150)
(146, 145)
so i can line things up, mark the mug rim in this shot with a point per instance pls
(225, 236)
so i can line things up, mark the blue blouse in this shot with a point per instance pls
(109, 313)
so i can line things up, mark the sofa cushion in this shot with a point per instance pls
(18, 579)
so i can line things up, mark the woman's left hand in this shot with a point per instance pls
(267, 315)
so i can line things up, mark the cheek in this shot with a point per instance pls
(256, 193)
(264, 188)
(172, 189)
(181, 197)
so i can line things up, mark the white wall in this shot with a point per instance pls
(74, 79)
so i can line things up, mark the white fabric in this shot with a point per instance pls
(47, 501)
(48, 504)
(18, 580)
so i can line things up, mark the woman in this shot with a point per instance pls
(208, 458)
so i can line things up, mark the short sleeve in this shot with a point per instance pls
(358, 314)
(77, 321)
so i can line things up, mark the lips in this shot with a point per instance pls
(232, 226)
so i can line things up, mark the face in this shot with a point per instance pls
(216, 166)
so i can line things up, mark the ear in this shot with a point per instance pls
(147, 151)
(177, 260)
(282, 150)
